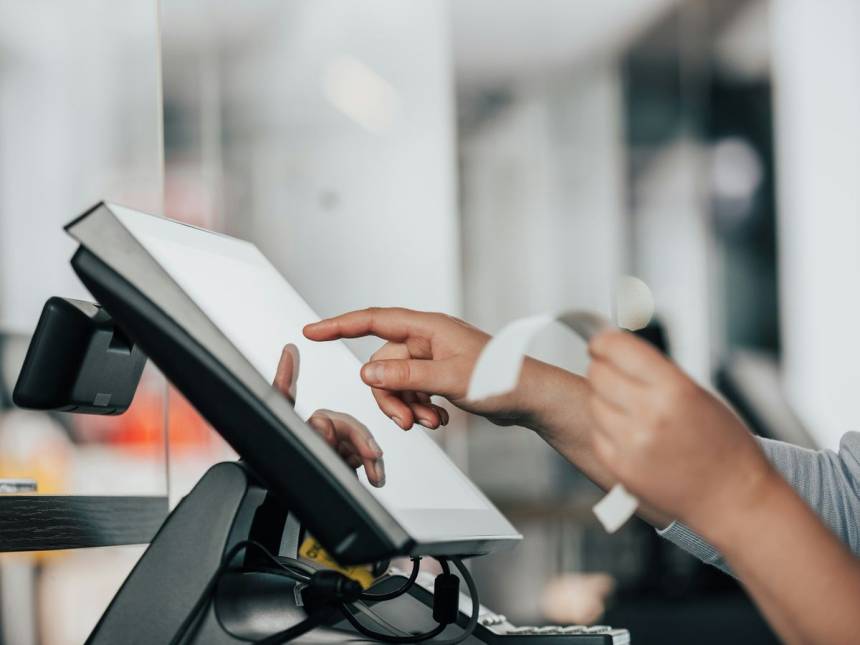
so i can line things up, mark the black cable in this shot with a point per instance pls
(206, 594)
(468, 629)
(390, 595)
(298, 571)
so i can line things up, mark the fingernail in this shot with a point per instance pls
(380, 472)
(397, 420)
(374, 373)
(374, 446)
(426, 423)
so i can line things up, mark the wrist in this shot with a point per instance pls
(739, 508)
(551, 400)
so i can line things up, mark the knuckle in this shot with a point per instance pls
(399, 372)
(677, 393)
(644, 437)
(388, 350)
(598, 411)
(596, 372)
(667, 398)
(612, 339)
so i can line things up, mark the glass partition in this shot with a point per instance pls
(80, 121)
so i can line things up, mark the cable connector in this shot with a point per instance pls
(446, 598)
(328, 588)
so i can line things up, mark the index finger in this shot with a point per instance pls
(633, 356)
(390, 323)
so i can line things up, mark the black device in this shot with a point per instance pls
(198, 582)
(249, 604)
(128, 259)
(78, 361)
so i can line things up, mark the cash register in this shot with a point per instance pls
(214, 314)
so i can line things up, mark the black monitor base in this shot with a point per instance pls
(225, 507)
(228, 506)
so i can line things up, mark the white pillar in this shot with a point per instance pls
(816, 58)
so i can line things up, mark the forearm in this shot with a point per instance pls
(553, 402)
(802, 577)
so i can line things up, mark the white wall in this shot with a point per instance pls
(673, 253)
(542, 202)
(323, 131)
(338, 150)
(816, 55)
(543, 195)
(73, 130)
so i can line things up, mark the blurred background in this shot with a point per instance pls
(487, 158)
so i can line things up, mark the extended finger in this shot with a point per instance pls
(393, 323)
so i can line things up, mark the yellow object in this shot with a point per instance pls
(313, 550)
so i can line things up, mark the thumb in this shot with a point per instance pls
(443, 377)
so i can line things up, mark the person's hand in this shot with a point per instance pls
(668, 440)
(345, 434)
(426, 354)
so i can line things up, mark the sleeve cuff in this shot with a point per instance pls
(682, 537)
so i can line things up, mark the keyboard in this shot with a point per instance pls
(496, 628)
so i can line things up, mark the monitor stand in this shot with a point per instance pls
(228, 506)
(225, 507)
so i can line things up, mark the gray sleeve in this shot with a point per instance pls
(827, 480)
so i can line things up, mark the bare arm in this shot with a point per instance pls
(802, 577)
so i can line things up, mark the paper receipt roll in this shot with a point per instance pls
(497, 372)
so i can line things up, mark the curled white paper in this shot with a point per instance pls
(497, 372)
(616, 507)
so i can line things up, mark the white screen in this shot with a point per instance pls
(253, 305)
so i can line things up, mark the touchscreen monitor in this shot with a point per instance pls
(235, 307)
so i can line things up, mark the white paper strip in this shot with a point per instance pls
(616, 507)
(498, 368)
(497, 372)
